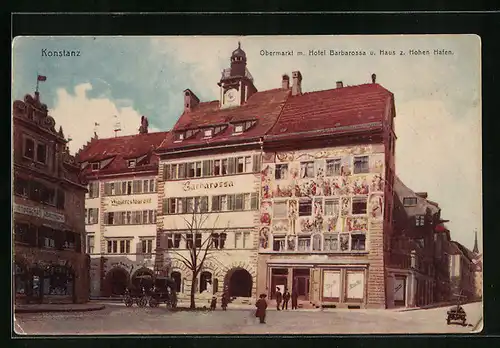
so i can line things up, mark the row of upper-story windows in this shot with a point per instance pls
(39, 192)
(121, 246)
(209, 132)
(330, 167)
(218, 203)
(216, 240)
(210, 168)
(140, 217)
(129, 187)
(46, 237)
(35, 150)
(333, 242)
(320, 206)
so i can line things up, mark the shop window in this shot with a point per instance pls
(29, 148)
(333, 167)
(280, 210)
(358, 242)
(361, 165)
(58, 280)
(278, 243)
(307, 169)
(331, 243)
(281, 172)
(21, 280)
(304, 243)
(305, 207)
(359, 205)
(41, 153)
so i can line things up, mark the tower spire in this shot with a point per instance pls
(476, 248)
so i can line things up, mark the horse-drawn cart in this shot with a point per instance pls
(163, 292)
(457, 313)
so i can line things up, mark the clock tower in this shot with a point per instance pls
(236, 83)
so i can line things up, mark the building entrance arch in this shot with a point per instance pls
(117, 280)
(206, 282)
(176, 276)
(239, 283)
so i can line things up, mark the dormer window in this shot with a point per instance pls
(243, 126)
(208, 133)
(219, 129)
(95, 165)
(410, 201)
(238, 128)
(179, 136)
(131, 163)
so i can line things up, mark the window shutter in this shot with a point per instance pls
(95, 214)
(166, 206)
(166, 172)
(254, 201)
(231, 165)
(257, 163)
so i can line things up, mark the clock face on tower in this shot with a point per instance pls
(230, 97)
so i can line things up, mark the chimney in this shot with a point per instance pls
(297, 83)
(190, 100)
(374, 78)
(285, 82)
(340, 84)
(143, 129)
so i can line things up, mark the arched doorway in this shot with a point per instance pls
(176, 276)
(206, 282)
(239, 283)
(143, 276)
(117, 280)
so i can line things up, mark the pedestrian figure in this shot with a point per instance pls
(213, 303)
(224, 301)
(286, 298)
(279, 297)
(295, 297)
(261, 305)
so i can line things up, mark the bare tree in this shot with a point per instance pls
(200, 242)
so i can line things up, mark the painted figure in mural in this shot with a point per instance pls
(266, 188)
(264, 237)
(327, 188)
(291, 243)
(292, 209)
(286, 299)
(261, 305)
(377, 184)
(376, 207)
(279, 298)
(345, 206)
(344, 242)
(318, 207)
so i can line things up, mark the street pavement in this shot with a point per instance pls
(118, 319)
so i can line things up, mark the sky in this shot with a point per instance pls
(119, 79)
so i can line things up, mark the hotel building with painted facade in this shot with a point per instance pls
(120, 208)
(301, 184)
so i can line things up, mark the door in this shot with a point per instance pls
(400, 291)
(278, 280)
(302, 287)
(315, 285)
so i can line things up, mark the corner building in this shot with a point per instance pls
(120, 208)
(48, 210)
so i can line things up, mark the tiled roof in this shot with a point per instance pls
(402, 191)
(264, 107)
(118, 150)
(281, 115)
(345, 109)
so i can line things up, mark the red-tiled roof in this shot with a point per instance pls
(281, 115)
(265, 107)
(119, 149)
(335, 110)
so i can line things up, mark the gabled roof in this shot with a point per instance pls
(118, 150)
(264, 107)
(402, 191)
(339, 110)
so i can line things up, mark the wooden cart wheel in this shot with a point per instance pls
(142, 302)
(153, 302)
(128, 302)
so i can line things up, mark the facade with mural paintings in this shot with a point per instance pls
(210, 175)
(120, 208)
(48, 206)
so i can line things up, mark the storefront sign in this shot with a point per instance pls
(331, 284)
(39, 212)
(188, 186)
(399, 289)
(116, 202)
(355, 285)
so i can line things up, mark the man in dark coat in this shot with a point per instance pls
(295, 297)
(286, 298)
(224, 301)
(213, 303)
(279, 297)
(261, 305)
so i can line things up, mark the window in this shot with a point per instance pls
(246, 240)
(222, 240)
(215, 240)
(224, 167)
(189, 240)
(190, 170)
(240, 164)
(119, 246)
(131, 163)
(419, 220)
(216, 203)
(281, 171)
(208, 133)
(237, 240)
(333, 167)
(307, 169)
(280, 210)
(254, 201)
(147, 246)
(197, 167)
(174, 241)
(93, 188)
(238, 202)
(21, 186)
(359, 205)
(179, 136)
(331, 207)
(361, 165)
(304, 243)
(95, 166)
(182, 171)
(190, 205)
(219, 129)
(41, 153)
(344, 242)
(305, 207)
(317, 242)
(257, 163)
(217, 167)
(60, 199)
(358, 241)
(248, 164)
(203, 204)
(22, 233)
(90, 244)
(247, 201)
(29, 148)
(409, 201)
(278, 243)
(331, 243)
(91, 216)
(238, 128)
(152, 185)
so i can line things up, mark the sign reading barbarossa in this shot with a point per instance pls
(115, 202)
(188, 186)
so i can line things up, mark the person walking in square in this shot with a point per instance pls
(224, 300)
(213, 303)
(286, 298)
(295, 298)
(261, 305)
(279, 297)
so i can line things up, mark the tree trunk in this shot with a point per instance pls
(193, 291)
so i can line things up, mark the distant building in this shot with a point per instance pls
(49, 204)
(462, 271)
(120, 208)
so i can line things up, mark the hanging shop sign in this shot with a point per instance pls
(189, 186)
(116, 202)
(39, 212)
